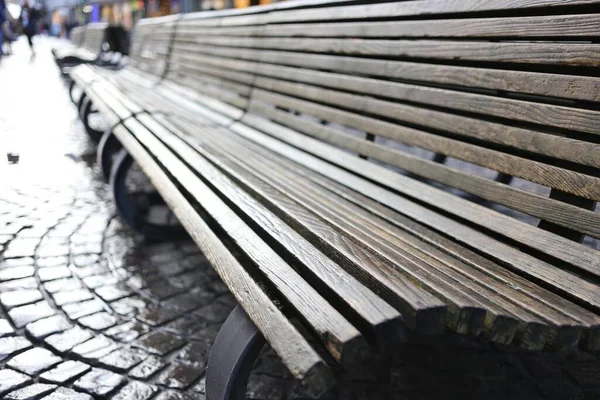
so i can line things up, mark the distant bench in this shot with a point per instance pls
(96, 42)
(358, 172)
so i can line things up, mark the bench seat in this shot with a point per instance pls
(366, 173)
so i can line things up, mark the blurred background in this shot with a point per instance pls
(60, 16)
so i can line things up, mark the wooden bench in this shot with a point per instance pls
(90, 45)
(361, 174)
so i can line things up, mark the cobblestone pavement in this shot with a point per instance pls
(90, 310)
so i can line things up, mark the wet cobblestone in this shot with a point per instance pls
(89, 309)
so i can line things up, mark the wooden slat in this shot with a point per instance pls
(425, 8)
(340, 338)
(556, 54)
(558, 312)
(569, 284)
(544, 174)
(300, 358)
(564, 329)
(563, 26)
(379, 317)
(543, 84)
(571, 118)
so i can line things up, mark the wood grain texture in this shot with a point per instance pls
(339, 337)
(527, 202)
(585, 258)
(425, 9)
(539, 53)
(283, 337)
(544, 174)
(571, 118)
(533, 83)
(563, 26)
(382, 318)
(562, 316)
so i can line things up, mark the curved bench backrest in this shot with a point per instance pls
(77, 35)
(94, 36)
(150, 42)
(409, 84)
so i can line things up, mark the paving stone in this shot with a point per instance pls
(7, 274)
(148, 367)
(99, 321)
(67, 394)
(20, 297)
(60, 261)
(81, 309)
(18, 284)
(34, 361)
(53, 251)
(18, 252)
(96, 281)
(93, 345)
(94, 269)
(123, 359)
(128, 331)
(23, 315)
(200, 387)
(266, 388)
(53, 273)
(47, 326)
(172, 395)
(85, 260)
(215, 312)
(6, 329)
(208, 334)
(155, 316)
(135, 391)
(31, 392)
(10, 346)
(62, 342)
(185, 326)
(65, 372)
(17, 262)
(71, 296)
(180, 376)
(11, 380)
(161, 290)
(112, 292)
(195, 354)
(61, 285)
(99, 382)
(160, 343)
(190, 301)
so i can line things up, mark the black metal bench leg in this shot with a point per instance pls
(107, 148)
(71, 96)
(232, 357)
(133, 208)
(85, 112)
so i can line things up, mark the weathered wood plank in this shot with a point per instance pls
(339, 337)
(538, 53)
(576, 119)
(563, 26)
(544, 174)
(288, 343)
(569, 284)
(418, 8)
(377, 315)
(534, 83)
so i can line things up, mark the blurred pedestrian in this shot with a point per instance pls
(29, 21)
(2, 21)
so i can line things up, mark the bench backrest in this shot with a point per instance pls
(150, 42)
(455, 96)
(77, 35)
(484, 112)
(94, 37)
